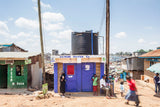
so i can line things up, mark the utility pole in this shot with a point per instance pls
(41, 40)
(107, 34)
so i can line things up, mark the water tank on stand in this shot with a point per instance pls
(84, 43)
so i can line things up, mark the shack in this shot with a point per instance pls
(135, 67)
(79, 70)
(14, 69)
(150, 59)
(11, 47)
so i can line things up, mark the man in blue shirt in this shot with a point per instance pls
(157, 84)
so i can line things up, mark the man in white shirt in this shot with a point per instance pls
(104, 87)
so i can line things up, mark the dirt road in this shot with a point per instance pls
(81, 100)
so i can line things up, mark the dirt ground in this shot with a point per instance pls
(82, 99)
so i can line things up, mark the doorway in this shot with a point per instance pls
(71, 77)
(87, 73)
(3, 76)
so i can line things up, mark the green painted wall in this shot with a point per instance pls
(9, 79)
(17, 81)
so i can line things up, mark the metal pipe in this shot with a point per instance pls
(103, 43)
(92, 41)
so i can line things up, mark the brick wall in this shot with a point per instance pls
(148, 74)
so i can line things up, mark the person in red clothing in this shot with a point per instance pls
(132, 93)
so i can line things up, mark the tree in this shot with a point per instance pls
(150, 50)
(141, 50)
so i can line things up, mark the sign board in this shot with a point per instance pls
(9, 61)
(79, 56)
(103, 59)
(28, 61)
(45, 88)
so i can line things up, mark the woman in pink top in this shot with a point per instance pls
(131, 95)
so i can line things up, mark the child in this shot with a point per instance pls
(121, 88)
(95, 84)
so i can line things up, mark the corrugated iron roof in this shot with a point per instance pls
(155, 53)
(12, 55)
(6, 44)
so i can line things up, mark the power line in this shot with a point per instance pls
(102, 17)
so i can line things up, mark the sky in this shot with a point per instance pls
(135, 24)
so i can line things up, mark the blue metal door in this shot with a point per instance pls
(71, 77)
(87, 73)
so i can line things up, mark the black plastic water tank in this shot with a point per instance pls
(82, 43)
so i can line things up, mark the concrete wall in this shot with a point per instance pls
(36, 73)
(147, 74)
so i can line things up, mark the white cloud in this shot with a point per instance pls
(36, 36)
(141, 40)
(3, 33)
(148, 27)
(53, 27)
(153, 43)
(57, 35)
(35, 8)
(10, 19)
(66, 34)
(3, 26)
(52, 17)
(121, 35)
(46, 6)
(62, 35)
(55, 41)
(43, 5)
(26, 23)
(22, 34)
(34, 0)
(19, 35)
(22, 43)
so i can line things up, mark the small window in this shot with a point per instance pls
(19, 70)
(70, 70)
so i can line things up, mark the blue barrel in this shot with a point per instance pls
(124, 76)
(121, 76)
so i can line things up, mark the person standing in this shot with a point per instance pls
(132, 93)
(156, 82)
(121, 88)
(62, 83)
(95, 84)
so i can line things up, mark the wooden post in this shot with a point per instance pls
(107, 35)
(41, 39)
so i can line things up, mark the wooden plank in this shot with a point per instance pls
(98, 72)
(74, 60)
(66, 60)
(60, 68)
(91, 59)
